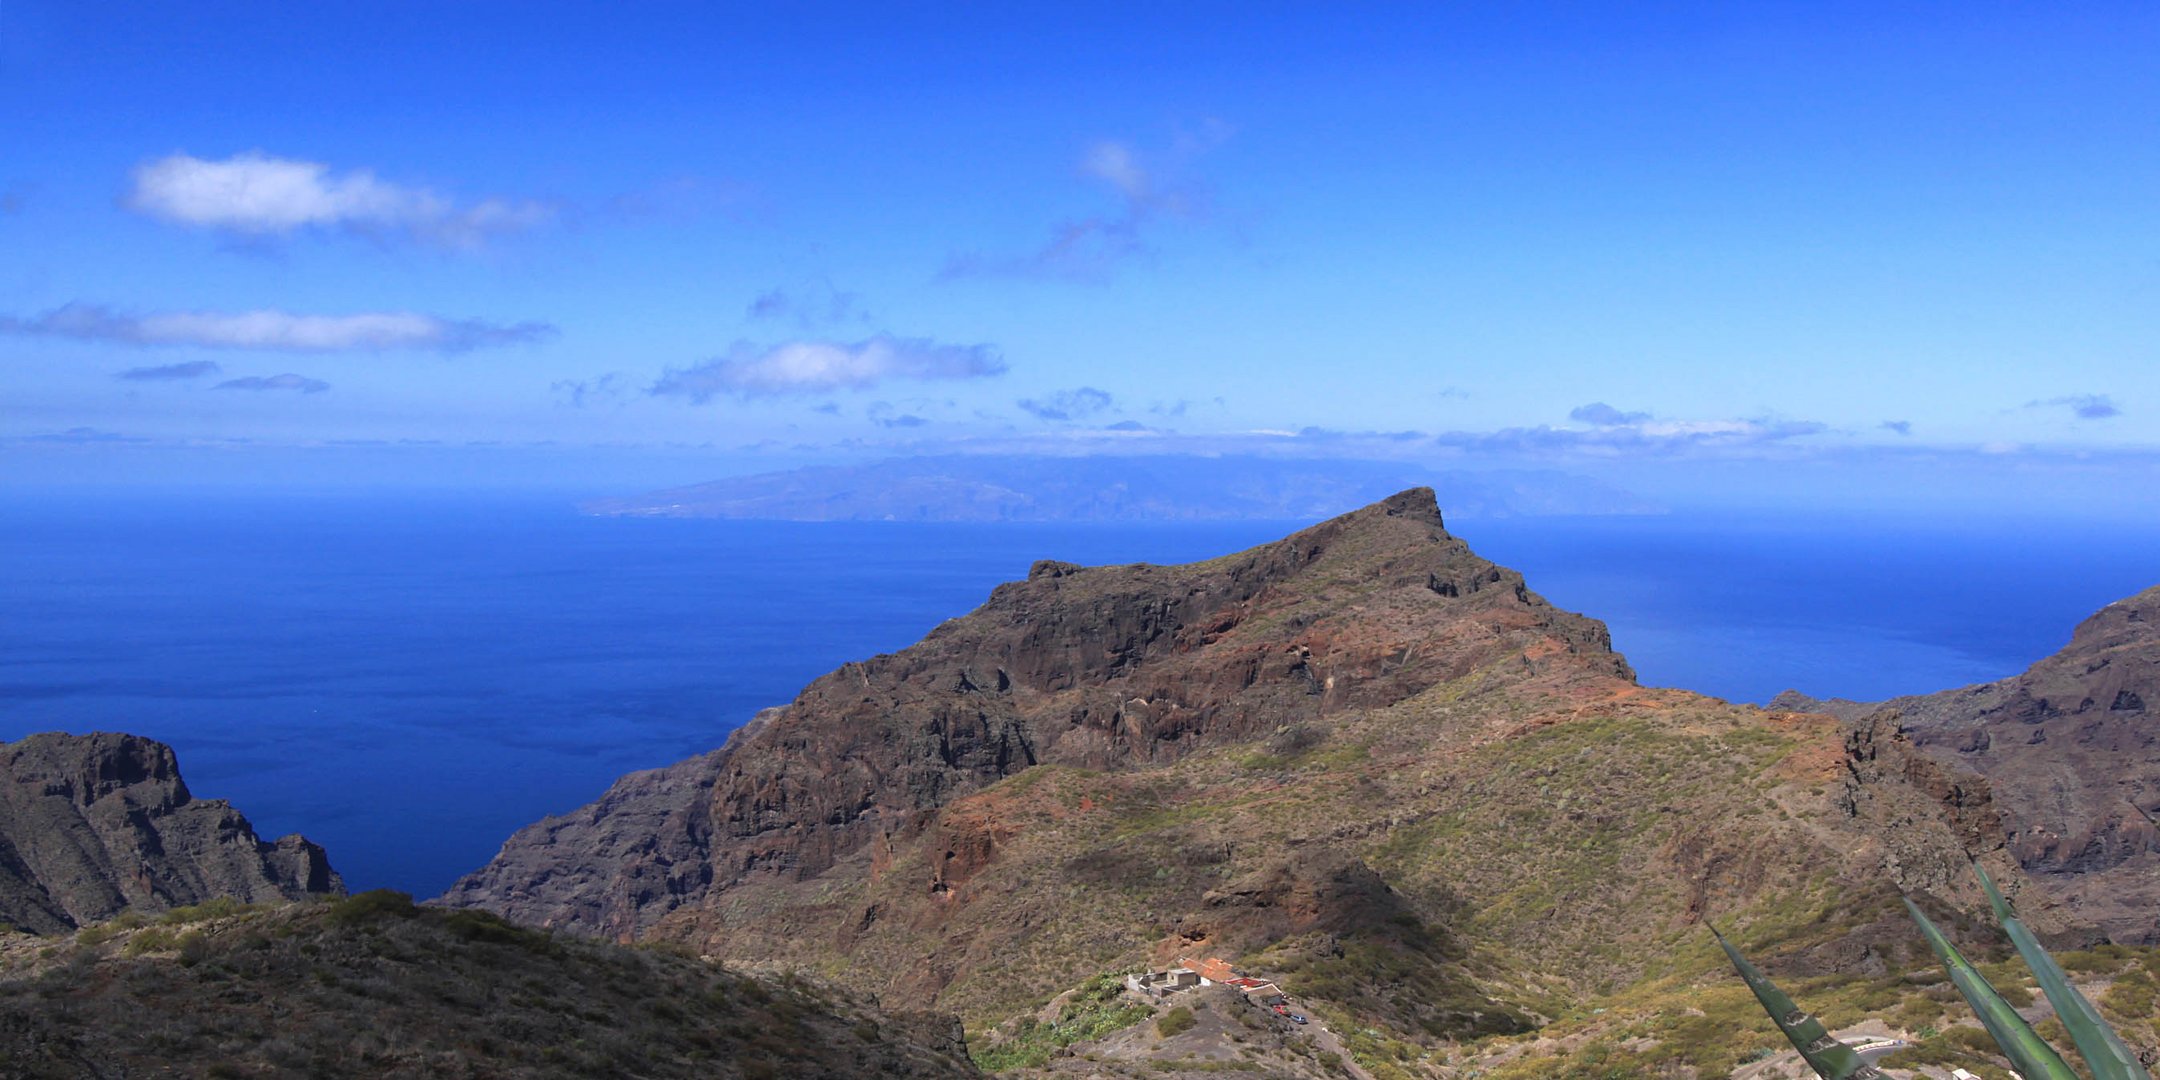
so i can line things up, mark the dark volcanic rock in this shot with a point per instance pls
(2071, 749)
(93, 825)
(1098, 667)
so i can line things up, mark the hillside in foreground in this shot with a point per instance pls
(373, 986)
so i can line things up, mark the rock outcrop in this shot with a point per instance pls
(94, 825)
(2071, 751)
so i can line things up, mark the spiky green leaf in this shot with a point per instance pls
(1831, 1059)
(2033, 1058)
(2096, 1041)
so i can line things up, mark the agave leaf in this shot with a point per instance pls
(2096, 1041)
(1831, 1059)
(2031, 1055)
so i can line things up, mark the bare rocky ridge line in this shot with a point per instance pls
(94, 825)
(1103, 668)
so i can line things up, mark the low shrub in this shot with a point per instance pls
(1177, 1021)
(371, 906)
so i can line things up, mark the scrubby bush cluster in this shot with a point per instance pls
(376, 986)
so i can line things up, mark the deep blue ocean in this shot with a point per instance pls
(408, 680)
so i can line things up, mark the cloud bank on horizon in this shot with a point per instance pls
(1447, 236)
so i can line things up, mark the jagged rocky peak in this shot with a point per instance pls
(93, 825)
(1108, 667)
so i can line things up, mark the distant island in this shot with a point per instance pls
(984, 488)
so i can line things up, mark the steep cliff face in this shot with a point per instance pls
(2071, 750)
(94, 825)
(1096, 667)
(1361, 759)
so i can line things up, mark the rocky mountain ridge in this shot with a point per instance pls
(1360, 760)
(2071, 749)
(94, 825)
(1096, 668)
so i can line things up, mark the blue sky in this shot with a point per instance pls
(1882, 250)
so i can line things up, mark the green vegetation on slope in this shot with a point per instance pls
(1092, 1011)
(374, 986)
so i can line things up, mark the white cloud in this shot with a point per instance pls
(275, 330)
(800, 367)
(258, 195)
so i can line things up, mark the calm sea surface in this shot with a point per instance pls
(407, 682)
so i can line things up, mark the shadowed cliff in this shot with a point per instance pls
(93, 825)
(2071, 748)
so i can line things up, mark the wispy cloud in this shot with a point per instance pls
(192, 369)
(79, 436)
(810, 306)
(1089, 248)
(1603, 415)
(809, 367)
(1901, 427)
(887, 415)
(1077, 404)
(256, 195)
(1647, 437)
(579, 393)
(2082, 406)
(1178, 408)
(287, 381)
(276, 330)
